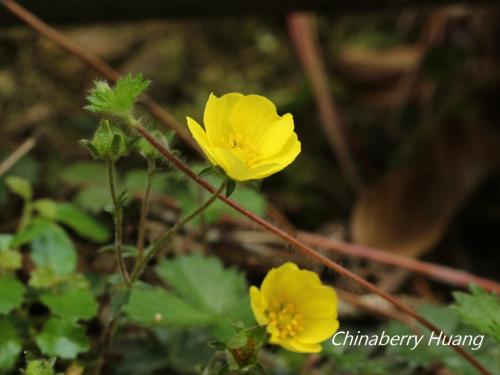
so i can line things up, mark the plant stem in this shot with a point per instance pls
(118, 218)
(144, 210)
(307, 250)
(166, 236)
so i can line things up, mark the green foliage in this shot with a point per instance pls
(10, 344)
(148, 151)
(11, 294)
(51, 247)
(479, 309)
(203, 293)
(62, 338)
(20, 186)
(73, 217)
(118, 100)
(10, 260)
(70, 302)
(40, 367)
(110, 142)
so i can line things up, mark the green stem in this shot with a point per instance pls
(166, 236)
(144, 210)
(118, 218)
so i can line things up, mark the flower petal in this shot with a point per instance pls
(274, 136)
(252, 115)
(217, 116)
(201, 138)
(285, 156)
(273, 286)
(318, 330)
(258, 305)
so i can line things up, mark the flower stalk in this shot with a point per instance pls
(145, 209)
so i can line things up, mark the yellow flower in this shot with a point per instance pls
(298, 310)
(245, 136)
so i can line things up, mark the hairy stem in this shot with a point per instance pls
(145, 209)
(141, 265)
(118, 218)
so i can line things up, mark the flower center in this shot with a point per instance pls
(286, 319)
(237, 143)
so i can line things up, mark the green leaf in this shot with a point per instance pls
(39, 367)
(20, 186)
(11, 294)
(70, 302)
(5, 241)
(44, 277)
(157, 307)
(480, 310)
(10, 260)
(62, 338)
(52, 248)
(10, 344)
(70, 215)
(85, 174)
(118, 100)
(230, 187)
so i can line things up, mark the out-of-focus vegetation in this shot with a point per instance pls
(418, 94)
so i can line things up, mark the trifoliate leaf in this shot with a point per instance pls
(157, 307)
(70, 215)
(11, 294)
(20, 186)
(480, 310)
(51, 247)
(62, 338)
(118, 100)
(70, 302)
(10, 344)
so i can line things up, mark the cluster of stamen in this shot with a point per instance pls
(237, 143)
(285, 318)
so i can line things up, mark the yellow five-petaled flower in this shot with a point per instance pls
(245, 136)
(299, 311)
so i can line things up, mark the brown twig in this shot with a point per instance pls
(97, 64)
(435, 271)
(13, 158)
(305, 249)
(306, 44)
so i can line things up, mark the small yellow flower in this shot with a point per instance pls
(245, 136)
(298, 310)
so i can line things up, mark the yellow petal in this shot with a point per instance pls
(252, 115)
(285, 156)
(273, 286)
(294, 345)
(317, 330)
(275, 136)
(217, 116)
(201, 138)
(258, 305)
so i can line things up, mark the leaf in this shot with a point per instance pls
(118, 100)
(70, 302)
(157, 307)
(11, 294)
(480, 310)
(93, 199)
(230, 187)
(39, 367)
(62, 338)
(51, 247)
(10, 260)
(5, 241)
(10, 344)
(85, 174)
(81, 223)
(20, 186)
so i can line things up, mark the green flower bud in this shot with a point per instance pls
(148, 151)
(110, 142)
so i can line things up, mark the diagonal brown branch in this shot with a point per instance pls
(306, 250)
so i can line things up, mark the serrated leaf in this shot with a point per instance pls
(10, 344)
(62, 338)
(20, 186)
(118, 100)
(11, 294)
(70, 302)
(480, 310)
(52, 248)
(157, 307)
(203, 282)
